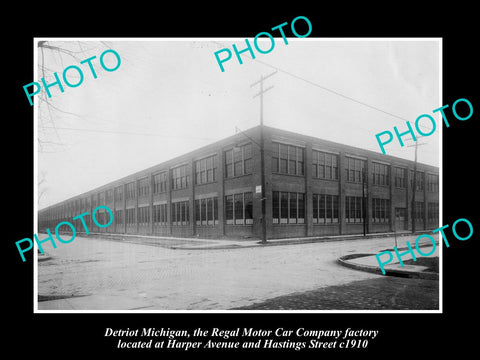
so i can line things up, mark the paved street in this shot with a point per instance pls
(94, 273)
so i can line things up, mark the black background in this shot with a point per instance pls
(406, 335)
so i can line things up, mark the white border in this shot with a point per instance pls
(133, 39)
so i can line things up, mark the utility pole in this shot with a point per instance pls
(414, 185)
(262, 153)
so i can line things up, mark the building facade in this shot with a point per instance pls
(312, 187)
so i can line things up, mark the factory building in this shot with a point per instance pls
(308, 187)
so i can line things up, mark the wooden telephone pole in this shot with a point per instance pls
(262, 154)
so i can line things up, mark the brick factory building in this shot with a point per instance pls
(310, 187)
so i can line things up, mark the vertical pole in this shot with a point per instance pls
(262, 164)
(414, 188)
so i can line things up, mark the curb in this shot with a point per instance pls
(425, 275)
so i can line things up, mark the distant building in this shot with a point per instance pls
(313, 187)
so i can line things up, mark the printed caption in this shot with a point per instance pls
(241, 338)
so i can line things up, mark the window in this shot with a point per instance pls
(109, 196)
(354, 169)
(325, 209)
(160, 214)
(324, 165)
(432, 183)
(205, 170)
(419, 179)
(144, 215)
(419, 211)
(130, 216)
(380, 210)
(143, 187)
(180, 177)
(160, 183)
(206, 211)
(288, 207)
(239, 209)
(381, 174)
(101, 200)
(353, 209)
(288, 159)
(432, 208)
(180, 213)
(400, 177)
(119, 217)
(130, 191)
(119, 193)
(238, 161)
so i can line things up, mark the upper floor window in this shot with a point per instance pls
(324, 165)
(354, 169)
(160, 182)
(180, 177)
(400, 177)
(205, 170)
(238, 161)
(432, 182)
(130, 190)
(381, 174)
(143, 187)
(288, 159)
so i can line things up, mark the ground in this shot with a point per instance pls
(95, 273)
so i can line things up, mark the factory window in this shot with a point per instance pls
(160, 183)
(119, 193)
(238, 161)
(288, 207)
(354, 169)
(325, 209)
(288, 159)
(205, 170)
(143, 215)
(380, 210)
(130, 216)
(432, 183)
(381, 174)
(239, 209)
(432, 208)
(160, 214)
(400, 177)
(419, 179)
(119, 217)
(143, 187)
(324, 165)
(206, 211)
(353, 209)
(109, 196)
(180, 177)
(419, 212)
(130, 191)
(180, 213)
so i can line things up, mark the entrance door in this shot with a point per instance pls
(400, 219)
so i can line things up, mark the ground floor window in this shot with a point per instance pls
(353, 209)
(288, 207)
(419, 211)
(119, 217)
(432, 208)
(206, 211)
(144, 215)
(180, 213)
(239, 209)
(130, 216)
(325, 209)
(160, 214)
(380, 210)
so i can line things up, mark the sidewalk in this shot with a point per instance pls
(369, 263)
(193, 243)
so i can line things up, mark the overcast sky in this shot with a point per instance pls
(169, 97)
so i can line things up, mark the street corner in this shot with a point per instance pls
(421, 268)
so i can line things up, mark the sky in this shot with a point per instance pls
(169, 97)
